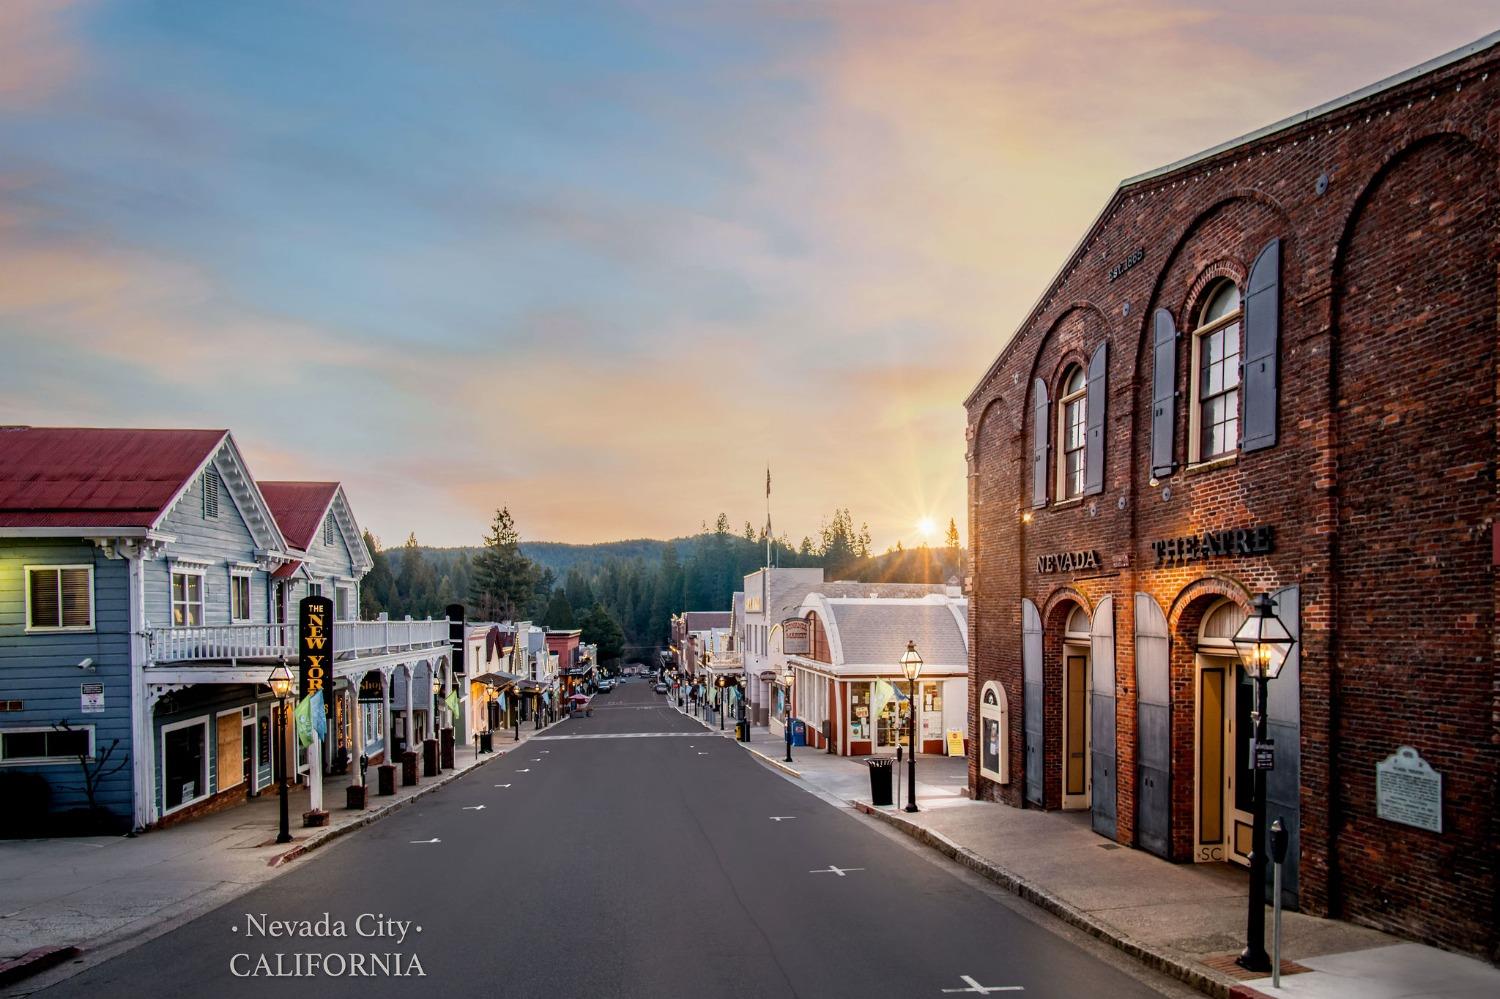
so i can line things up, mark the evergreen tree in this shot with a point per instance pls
(559, 613)
(504, 580)
(377, 589)
(600, 628)
(952, 537)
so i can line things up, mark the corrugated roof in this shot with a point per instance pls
(877, 632)
(299, 508)
(95, 477)
(706, 620)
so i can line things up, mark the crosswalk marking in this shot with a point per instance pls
(619, 735)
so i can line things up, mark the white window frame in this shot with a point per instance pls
(209, 740)
(238, 760)
(46, 629)
(237, 573)
(1195, 407)
(999, 712)
(43, 761)
(218, 492)
(338, 590)
(181, 569)
(1079, 396)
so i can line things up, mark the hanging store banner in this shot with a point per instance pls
(796, 637)
(315, 649)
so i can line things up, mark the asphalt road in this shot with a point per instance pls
(631, 866)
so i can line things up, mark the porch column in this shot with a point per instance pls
(385, 709)
(357, 724)
(410, 676)
(142, 736)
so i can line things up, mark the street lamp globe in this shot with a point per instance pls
(280, 681)
(911, 662)
(1263, 643)
(788, 677)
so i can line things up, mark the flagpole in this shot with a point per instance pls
(768, 515)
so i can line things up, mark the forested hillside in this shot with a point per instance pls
(624, 593)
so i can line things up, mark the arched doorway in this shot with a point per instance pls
(1077, 652)
(1225, 697)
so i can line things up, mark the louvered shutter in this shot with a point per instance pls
(1039, 428)
(45, 603)
(1093, 444)
(1163, 394)
(1262, 331)
(77, 602)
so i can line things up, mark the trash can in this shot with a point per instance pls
(742, 731)
(799, 732)
(880, 780)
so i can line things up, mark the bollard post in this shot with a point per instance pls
(1278, 856)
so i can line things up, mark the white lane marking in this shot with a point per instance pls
(525, 771)
(985, 990)
(433, 840)
(473, 808)
(618, 735)
(781, 818)
(537, 760)
(840, 871)
(502, 785)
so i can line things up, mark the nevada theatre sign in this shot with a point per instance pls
(1067, 561)
(1259, 540)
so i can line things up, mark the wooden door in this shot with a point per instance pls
(230, 769)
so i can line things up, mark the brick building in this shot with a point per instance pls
(1270, 367)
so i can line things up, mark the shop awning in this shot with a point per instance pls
(496, 679)
(532, 686)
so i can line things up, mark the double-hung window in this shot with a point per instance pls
(187, 599)
(1072, 417)
(342, 599)
(59, 598)
(239, 596)
(1216, 377)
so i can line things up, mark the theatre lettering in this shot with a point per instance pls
(1067, 561)
(1215, 544)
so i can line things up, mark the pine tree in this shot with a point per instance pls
(377, 589)
(503, 580)
(559, 612)
(952, 536)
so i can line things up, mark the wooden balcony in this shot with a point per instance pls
(270, 642)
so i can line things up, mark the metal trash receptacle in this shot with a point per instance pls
(881, 771)
(742, 731)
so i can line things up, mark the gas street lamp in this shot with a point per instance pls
(911, 665)
(1263, 644)
(786, 679)
(280, 682)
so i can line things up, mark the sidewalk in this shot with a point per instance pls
(1186, 920)
(102, 893)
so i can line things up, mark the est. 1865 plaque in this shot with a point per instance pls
(1409, 791)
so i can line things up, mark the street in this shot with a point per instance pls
(627, 854)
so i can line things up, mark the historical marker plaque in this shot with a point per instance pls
(1409, 791)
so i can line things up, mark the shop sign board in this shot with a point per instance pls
(1265, 754)
(92, 697)
(1257, 540)
(796, 637)
(955, 742)
(315, 650)
(1409, 791)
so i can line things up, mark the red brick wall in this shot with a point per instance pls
(1381, 486)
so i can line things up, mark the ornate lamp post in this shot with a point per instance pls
(787, 678)
(280, 682)
(911, 665)
(1263, 644)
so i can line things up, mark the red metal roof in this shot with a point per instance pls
(95, 477)
(299, 508)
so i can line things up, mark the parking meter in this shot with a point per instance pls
(1278, 857)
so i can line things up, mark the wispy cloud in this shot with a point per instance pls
(602, 266)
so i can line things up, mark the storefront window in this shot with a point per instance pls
(859, 711)
(184, 764)
(932, 711)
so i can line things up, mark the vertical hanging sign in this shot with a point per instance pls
(315, 650)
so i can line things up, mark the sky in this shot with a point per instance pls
(600, 263)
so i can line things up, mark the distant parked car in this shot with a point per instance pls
(661, 688)
(605, 686)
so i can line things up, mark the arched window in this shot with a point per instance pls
(1077, 627)
(1220, 622)
(1216, 375)
(1072, 418)
(994, 733)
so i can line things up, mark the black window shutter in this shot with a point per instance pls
(1039, 435)
(1163, 394)
(1093, 444)
(1262, 331)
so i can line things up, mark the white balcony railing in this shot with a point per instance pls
(270, 641)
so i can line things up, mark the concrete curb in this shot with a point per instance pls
(772, 761)
(1189, 972)
(34, 962)
(372, 815)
